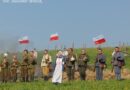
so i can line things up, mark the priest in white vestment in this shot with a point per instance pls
(57, 75)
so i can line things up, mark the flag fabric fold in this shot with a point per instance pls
(54, 37)
(99, 40)
(24, 40)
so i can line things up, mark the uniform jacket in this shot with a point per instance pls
(117, 57)
(46, 60)
(83, 59)
(70, 60)
(100, 59)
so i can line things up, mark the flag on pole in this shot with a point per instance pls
(24, 40)
(99, 40)
(54, 37)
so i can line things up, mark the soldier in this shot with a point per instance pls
(24, 66)
(100, 63)
(31, 67)
(70, 64)
(118, 62)
(45, 64)
(5, 68)
(14, 68)
(82, 64)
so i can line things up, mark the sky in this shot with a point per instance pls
(75, 21)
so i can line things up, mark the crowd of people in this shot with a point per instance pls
(65, 60)
(9, 70)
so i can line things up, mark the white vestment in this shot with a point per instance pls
(57, 75)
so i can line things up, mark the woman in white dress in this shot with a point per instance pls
(57, 75)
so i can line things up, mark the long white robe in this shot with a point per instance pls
(57, 75)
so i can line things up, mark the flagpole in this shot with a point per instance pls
(73, 45)
(48, 46)
(56, 47)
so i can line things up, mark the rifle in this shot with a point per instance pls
(112, 62)
(94, 68)
(112, 68)
(95, 64)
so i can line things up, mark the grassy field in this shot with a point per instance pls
(74, 85)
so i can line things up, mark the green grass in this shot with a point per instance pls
(74, 85)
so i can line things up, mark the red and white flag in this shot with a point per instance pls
(54, 37)
(99, 40)
(24, 40)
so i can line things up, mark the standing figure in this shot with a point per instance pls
(45, 64)
(31, 66)
(70, 64)
(14, 68)
(5, 69)
(117, 62)
(100, 64)
(24, 66)
(57, 75)
(82, 64)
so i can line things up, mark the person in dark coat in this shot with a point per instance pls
(117, 62)
(100, 63)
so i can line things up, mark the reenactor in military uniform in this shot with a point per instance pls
(5, 69)
(45, 64)
(100, 64)
(117, 62)
(70, 64)
(31, 66)
(82, 64)
(14, 68)
(24, 66)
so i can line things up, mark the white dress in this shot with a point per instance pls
(57, 75)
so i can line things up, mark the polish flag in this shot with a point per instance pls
(99, 40)
(54, 37)
(24, 40)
